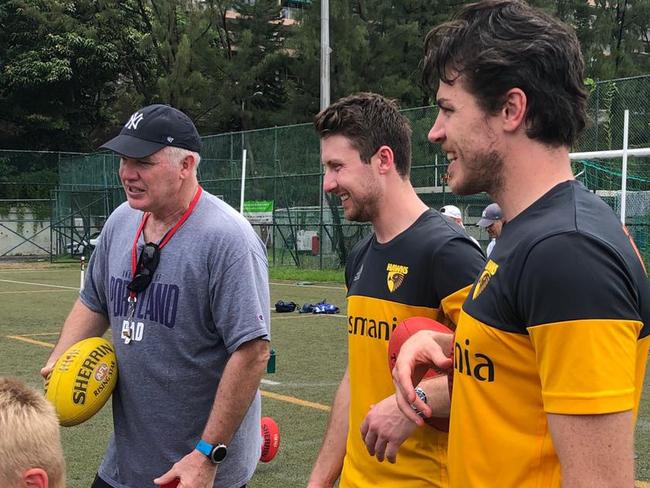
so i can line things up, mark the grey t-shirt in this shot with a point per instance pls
(208, 296)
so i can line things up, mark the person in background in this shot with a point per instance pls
(181, 279)
(416, 263)
(552, 342)
(492, 221)
(31, 455)
(454, 213)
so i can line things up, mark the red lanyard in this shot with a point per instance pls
(166, 238)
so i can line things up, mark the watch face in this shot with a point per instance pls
(218, 453)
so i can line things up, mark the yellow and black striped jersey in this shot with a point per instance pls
(557, 322)
(425, 271)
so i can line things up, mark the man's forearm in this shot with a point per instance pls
(329, 463)
(437, 391)
(80, 324)
(237, 388)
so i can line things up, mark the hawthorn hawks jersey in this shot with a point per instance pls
(425, 271)
(558, 322)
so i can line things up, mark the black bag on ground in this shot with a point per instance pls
(281, 306)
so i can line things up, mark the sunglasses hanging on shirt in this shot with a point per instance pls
(147, 265)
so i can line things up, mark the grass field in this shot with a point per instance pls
(311, 356)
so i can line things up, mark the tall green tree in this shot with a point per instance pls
(252, 37)
(55, 74)
(162, 46)
(348, 60)
(614, 34)
(376, 46)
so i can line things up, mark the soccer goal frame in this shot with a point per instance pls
(624, 154)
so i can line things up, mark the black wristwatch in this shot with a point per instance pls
(216, 454)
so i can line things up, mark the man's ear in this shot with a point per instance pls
(187, 165)
(513, 111)
(35, 478)
(386, 159)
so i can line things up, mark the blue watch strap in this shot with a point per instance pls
(204, 447)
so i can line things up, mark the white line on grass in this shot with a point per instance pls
(40, 284)
(270, 382)
(20, 270)
(323, 384)
(342, 288)
(308, 315)
(37, 291)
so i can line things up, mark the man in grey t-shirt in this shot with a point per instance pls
(182, 281)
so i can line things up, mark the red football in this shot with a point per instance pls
(270, 439)
(402, 332)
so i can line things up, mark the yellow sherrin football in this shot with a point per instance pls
(82, 380)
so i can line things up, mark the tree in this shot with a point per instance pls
(252, 37)
(54, 80)
(613, 34)
(376, 46)
(72, 71)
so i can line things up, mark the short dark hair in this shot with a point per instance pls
(496, 45)
(369, 121)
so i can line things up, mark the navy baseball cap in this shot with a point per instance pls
(152, 128)
(491, 214)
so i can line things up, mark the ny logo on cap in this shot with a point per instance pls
(134, 121)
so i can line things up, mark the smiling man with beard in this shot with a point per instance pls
(416, 263)
(560, 315)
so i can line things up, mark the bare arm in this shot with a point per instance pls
(81, 323)
(437, 391)
(421, 350)
(385, 428)
(329, 463)
(594, 450)
(237, 388)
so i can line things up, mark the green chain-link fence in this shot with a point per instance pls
(27, 179)
(306, 229)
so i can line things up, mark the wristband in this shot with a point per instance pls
(422, 396)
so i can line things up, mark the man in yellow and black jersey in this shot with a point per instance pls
(416, 263)
(551, 345)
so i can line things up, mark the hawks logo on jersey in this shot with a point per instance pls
(488, 272)
(396, 275)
